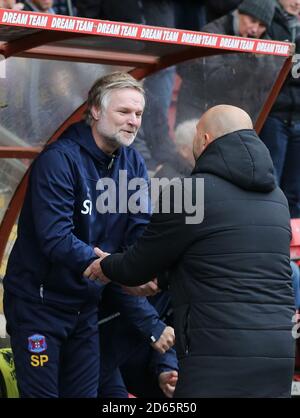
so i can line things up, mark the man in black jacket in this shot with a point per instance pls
(230, 276)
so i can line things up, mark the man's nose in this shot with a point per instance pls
(133, 120)
(254, 28)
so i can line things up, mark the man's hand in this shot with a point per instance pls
(94, 271)
(147, 289)
(167, 382)
(165, 341)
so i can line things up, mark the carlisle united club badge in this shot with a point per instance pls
(37, 343)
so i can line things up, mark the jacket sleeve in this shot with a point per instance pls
(138, 312)
(164, 241)
(164, 362)
(53, 189)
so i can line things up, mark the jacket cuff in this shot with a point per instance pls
(157, 331)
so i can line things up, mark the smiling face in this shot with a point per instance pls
(291, 6)
(119, 119)
(249, 27)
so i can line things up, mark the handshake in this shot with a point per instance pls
(94, 272)
(167, 338)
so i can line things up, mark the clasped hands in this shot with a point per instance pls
(94, 272)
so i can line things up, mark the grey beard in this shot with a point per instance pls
(115, 141)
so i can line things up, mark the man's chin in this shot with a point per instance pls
(126, 142)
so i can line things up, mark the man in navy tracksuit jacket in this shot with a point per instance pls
(51, 309)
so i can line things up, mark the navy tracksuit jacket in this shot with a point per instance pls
(51, 308)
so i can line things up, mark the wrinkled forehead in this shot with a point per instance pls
(125, 97)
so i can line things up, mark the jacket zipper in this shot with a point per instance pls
(187, 332)
(111, 163)
(42, 292)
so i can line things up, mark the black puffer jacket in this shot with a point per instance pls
(230, 275)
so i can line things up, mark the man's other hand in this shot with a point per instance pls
(147, 289)
(167, 382)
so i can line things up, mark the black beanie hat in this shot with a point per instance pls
(262, 10)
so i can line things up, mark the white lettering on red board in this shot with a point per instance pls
(282, 49)
(24, 19)
(108, 28)
(265, 47)
(129, 31)
(232, 43)
(199, 39)
(37, 20)
(16, 18)
(148, 33)
(169, 35)
(84, 25)
(62, 23)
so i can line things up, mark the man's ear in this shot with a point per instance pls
(206, 140)
(95, 111)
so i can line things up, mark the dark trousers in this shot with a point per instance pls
(283, 141)
(56, 352)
